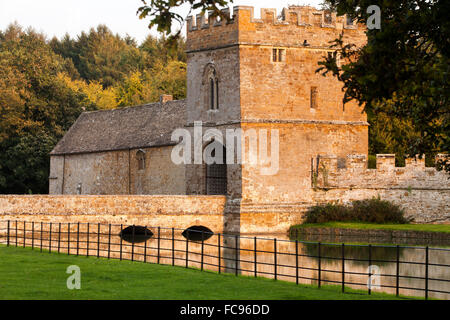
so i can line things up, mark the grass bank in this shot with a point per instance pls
(444, 228)
(27, 274)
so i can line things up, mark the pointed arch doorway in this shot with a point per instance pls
(216, 176)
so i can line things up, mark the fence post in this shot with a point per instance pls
(173, 246)
(187, 248)
(296, 261)
(87, 240)
(42, 237)
(121, 229)
(132, 242)
(201, 264)
(426, 271)
(98, 241)
(159, 243)
(59, 237)
(24, 233)
(343, 267)
(220, 258)
(7, 237)
(255, 256)
(145, 245)
(68, 238)
(370, 270)
(275, 257)
(32, 235)
(109, 241)
(319, 254)
(49, 239)
(236, 255)
(78, 238)
(17, 236)
(397, 277)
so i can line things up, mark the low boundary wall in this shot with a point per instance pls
(170, 211)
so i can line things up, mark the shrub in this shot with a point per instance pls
(372, 210)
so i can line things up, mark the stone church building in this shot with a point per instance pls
(246, 73)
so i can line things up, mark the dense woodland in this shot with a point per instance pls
(46, 83)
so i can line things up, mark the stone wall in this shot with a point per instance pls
(215, 212)
(423, 192)
(164, 211)
(117, 173)
(298, 143)
(297, 22)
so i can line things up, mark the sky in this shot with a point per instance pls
(58, 17)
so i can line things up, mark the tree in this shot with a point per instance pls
(162, 13)
(103, 98)
(36, 109)
(45, 85)
(102, 56)
(164, 49)
(403, 70)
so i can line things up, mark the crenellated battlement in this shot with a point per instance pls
(332, 172)
(301, 16)
(200, 21)
(290, 28)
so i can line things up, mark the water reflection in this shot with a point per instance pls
(233, 254)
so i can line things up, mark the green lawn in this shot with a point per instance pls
(27, 274)
(360, 225)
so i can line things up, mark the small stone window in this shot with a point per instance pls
(328, 18)
(140, 157)
(314, 95)
(213, 89)
(79, 188)
(349, 20)
(278, 55)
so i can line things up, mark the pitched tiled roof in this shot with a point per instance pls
(128, 128)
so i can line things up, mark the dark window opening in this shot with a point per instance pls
(197, 233)
(278, 55)
(349, 20)
(328, 17)
(216, 176)
(212, 90)
(217, 94)
(342, 163)
(135, 234)
(314, 94)
(140, 156)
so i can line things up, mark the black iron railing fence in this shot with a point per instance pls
(293, 260)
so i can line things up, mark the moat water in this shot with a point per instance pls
(172, 249)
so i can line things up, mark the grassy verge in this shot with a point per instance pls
(374, 226)
(27, 274)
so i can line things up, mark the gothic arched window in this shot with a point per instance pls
(140, 157)
(212, 85)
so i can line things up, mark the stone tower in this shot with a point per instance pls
(260, 74)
